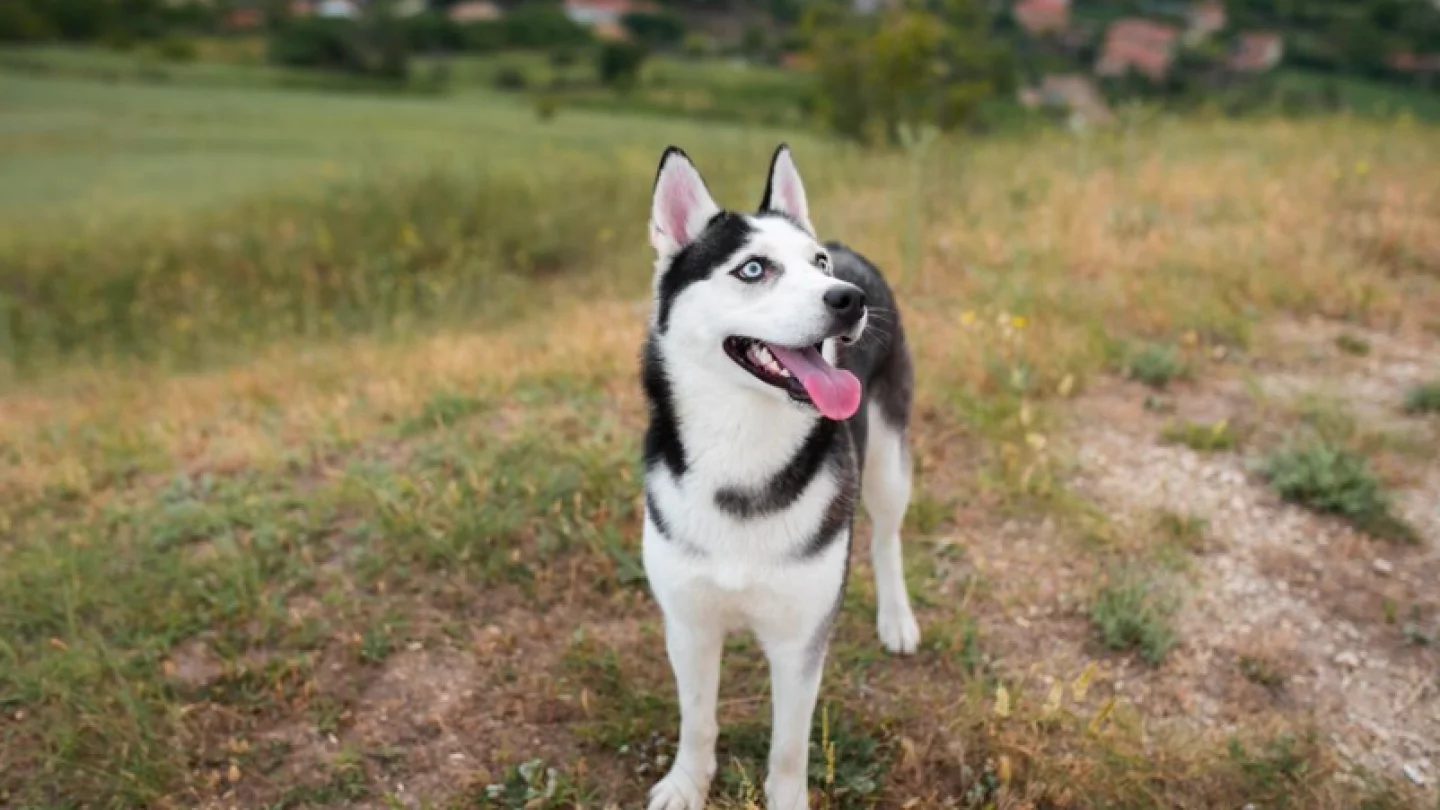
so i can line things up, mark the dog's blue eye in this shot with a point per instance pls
(822, 261)
(751, 271)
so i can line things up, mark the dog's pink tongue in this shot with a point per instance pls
(834, 391)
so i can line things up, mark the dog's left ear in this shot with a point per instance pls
(784, 193)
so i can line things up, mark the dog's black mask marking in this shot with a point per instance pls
(724, 235)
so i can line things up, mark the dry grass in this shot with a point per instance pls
(338, 522)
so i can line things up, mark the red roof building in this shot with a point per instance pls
(1040, 17)
(1258, 52)
(1143, 46)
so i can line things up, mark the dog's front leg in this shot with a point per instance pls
(795, 671)
(694, 649)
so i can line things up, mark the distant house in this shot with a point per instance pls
(1040, 17)
(474, 11)
(1138, 45)
(246, 18)
(337, 9)
(1074, 93)
(592, 13)
(1204, 20)
(1421, 65)
(301, 8)
(409, 8)
(1258, 52)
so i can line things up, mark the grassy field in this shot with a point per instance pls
(320, 425)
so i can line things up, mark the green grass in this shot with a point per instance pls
(1423, 399)
(1334, 480)
(1134, 611)
(408, 430)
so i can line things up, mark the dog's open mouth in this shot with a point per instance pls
(802, 372)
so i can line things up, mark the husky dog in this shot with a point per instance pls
(776, 374)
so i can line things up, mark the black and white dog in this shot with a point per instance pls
(776, 374)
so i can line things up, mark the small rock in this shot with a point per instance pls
(1413, 774)
(1348, 659)
(1383, 567)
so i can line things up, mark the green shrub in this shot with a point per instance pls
(1423, 399)
(176, 48)
(658, 30)
(1156, 365)
(1335, 481)
(1133, 612)
(511, 78)
(619, 63)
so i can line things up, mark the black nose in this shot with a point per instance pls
(846, 302)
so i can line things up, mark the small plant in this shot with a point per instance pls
(532, 786)
(1200, 437)
(1261, 671)
(1423, 399)
(546, 106)
(1132, 612)
(175, 48)
(1335, 481)
(1156, 365)
(511, 78)
(1186, 531)
(1353, 344)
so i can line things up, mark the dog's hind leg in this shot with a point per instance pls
(886, 490)
(694, 649)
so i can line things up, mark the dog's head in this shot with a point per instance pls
(752, 297)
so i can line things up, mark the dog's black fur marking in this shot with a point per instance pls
(724, 235)
(662, 439)
(769, 180)
(790, 483)
(839, 511)
(663, 526)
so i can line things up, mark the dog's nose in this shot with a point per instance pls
(846, 302)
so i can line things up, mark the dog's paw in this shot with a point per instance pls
(678, 791)
(899, 632)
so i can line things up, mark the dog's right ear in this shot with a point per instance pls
(682, 206)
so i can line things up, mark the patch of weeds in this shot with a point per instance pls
(1134, 612)
(1353, 344)
(441, 411)
(1416, 633)
(1261, 671)
(533, 785)
(1423, 399)
(960, 640)
(1330, 419)
(1274, 771)
(1200, 437)
(1156, 365)
(1335, 481)
(848, 762)
(927, 513)
(378, 642)
(620, 709)
(1188, 532)
(349, 783)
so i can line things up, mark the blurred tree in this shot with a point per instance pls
(619, 63)
(925, 63)
(662, 29)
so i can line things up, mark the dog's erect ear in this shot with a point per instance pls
(682, 205)
(784, 193)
